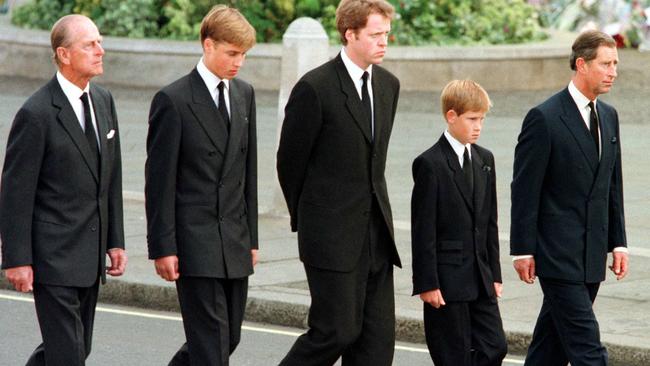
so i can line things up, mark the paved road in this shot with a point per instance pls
(129, 336)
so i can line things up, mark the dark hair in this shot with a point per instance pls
(353, 14)
(587, 44)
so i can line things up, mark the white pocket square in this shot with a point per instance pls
(110, 134)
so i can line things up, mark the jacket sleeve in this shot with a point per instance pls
(23, 158)
(616, 235)
(251, 173)
(531, 159)
(163, 146)
(302, 122)
(424, 202)
(115, 209)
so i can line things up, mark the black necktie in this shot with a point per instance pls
(365, 99)
(593, 126)
(467, 170)
(222, 105)
(89, 130)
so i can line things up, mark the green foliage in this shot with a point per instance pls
(417, 22)
(445, 22)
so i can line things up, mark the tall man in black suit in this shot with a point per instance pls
(567, 206)
(331, 163)
(201, 189)
(61, 196)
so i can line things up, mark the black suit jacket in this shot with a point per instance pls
(455, 238)
(329, 166)
(201, 182)
(567, 206)
(57, 212)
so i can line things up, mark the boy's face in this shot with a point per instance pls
(466, 128)
(222, 58)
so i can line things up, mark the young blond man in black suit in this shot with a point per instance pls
(201, 189)
(456, 268)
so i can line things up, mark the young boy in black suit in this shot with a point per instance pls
(455, 239)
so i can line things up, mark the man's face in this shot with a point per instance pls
(368, 45)
(222, 58)
(83, 56)
(599, 73)
(466, 128)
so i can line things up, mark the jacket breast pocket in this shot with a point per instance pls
(450, 252)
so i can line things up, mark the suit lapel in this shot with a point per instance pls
(68, 119)
(457, 172)
(103, 127)
(607, 141)
(353, 102)
(381, 101)
(205, 111)
(574, 122)
(481, 180)
(238, 123)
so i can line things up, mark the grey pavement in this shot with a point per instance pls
(278, 291)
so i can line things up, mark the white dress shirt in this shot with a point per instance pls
(212, 82)
(356, 74)
(459, 148)
(73, 93)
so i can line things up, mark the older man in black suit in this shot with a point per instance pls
(61, 196)
(201, 189)
(331, 163)
(567, 206)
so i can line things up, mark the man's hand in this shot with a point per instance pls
(255, 256)
(498, 288)
(526, 269)
(118, 260)
(619, 264)
(21, 277)
(433, 298)
(167, 267)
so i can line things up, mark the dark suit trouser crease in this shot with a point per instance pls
(468, 333)
(65, 316)
(567, 329)
(352, 314)
(213, 312)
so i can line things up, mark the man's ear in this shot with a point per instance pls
(581, 64)
(63, 55)
(350, 34)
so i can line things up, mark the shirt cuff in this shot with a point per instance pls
(518, 257)
(621, 250)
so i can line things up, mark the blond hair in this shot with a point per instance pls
(353, 14)
(464, 96)
(226, 24)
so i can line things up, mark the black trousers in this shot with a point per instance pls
(65, 316)
(213, 312)
(567, 329)
(352, 314)
(467, 333)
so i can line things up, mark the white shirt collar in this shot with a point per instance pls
(211, 80)
(353, 69)
(459, 148)
(69, 89)
(579, 98)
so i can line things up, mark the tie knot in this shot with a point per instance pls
(466, 154)
(84, 98)
(591, 105)
(221, 86)
(365, 77)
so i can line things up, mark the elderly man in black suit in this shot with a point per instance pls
(567, 206)
(201, 189)
(331, 163)
(61, 196)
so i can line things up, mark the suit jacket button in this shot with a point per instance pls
(220, 184)
(93, 228)
(221, 218)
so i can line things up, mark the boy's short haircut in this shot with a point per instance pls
(353, 14)
(464, 96)
(226, 24)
